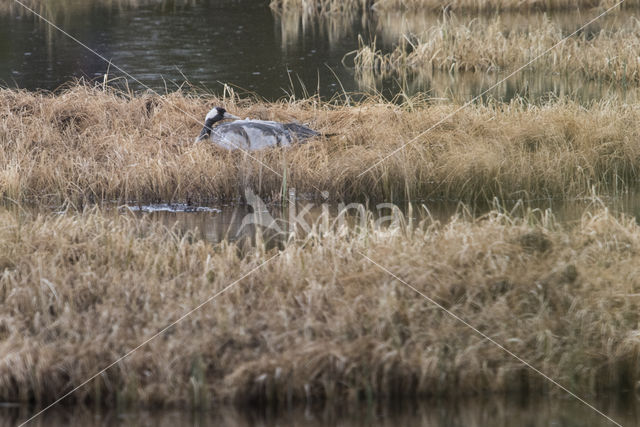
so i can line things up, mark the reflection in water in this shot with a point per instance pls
(226, 224)
(463, 86)
(242, 42)
(171, 207)
(277, 223)
(559, 412)
(51, 9)
(295, 24)
(164, 44)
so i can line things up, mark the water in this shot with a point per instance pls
(206, 42)
(236, 222)
(558, 412)
(210, 43)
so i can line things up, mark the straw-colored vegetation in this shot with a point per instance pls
(606, 54)
(466, 412)
(87, 145)
(340, 6)
(319, 321)
(320, 7)
(391, 26)
(498, 5)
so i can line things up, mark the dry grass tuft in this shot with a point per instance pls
(341, 6)
(319, 322)
(320, 7)
(604, 55)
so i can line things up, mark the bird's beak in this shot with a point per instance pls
(230, 116)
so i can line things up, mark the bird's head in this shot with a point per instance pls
(215, 115)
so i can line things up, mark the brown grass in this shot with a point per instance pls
(320, 7)
(607, 54)
(467, 412)
(319, 322)
(87, 145)
(391, 25)
(341, 6)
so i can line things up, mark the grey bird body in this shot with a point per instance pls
(251, 134)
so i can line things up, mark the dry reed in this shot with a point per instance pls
(87, 144)
(392, 25)
(340, 6)
(605, 55)
(319, 322)
(320, 7)
(465, 412)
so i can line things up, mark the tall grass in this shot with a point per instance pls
(88, 144)
(498, 5)
(340, 6)
(319, 322)
(391, 25)
(607, 54)
(321, 7)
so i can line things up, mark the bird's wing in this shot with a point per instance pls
(231, 137)
(300, 131)
(251, 135)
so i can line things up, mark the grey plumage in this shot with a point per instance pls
(251, 134)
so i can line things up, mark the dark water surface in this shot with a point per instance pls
(234, 222)
(243, 43)
(207, 42)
